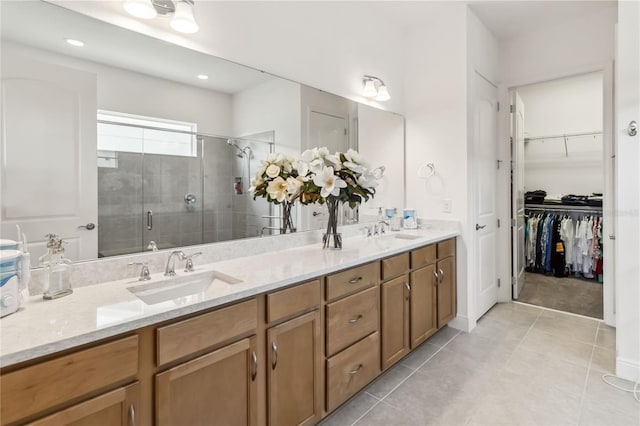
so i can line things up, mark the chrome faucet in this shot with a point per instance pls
(380, 228)
(170, 269)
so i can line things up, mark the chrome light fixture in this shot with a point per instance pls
(181, 12)
(373, 87)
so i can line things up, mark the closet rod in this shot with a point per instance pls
(564, 135)
(564, 208)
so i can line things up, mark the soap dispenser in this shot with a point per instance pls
(57, 270)
(395, 220)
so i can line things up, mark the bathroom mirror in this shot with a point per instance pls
(123, 141)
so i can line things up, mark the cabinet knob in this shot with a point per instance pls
(355, 280)
(358, 368)
(356, 319)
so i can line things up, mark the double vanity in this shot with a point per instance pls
(282, 338)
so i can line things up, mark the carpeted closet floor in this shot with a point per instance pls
(573, 295)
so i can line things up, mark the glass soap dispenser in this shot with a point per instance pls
(57, 269)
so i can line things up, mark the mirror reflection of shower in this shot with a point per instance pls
(245, 177)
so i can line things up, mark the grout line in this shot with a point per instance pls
(381, 400)
(558, 311)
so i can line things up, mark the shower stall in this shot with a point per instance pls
(162, 188)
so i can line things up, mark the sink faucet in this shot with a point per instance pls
(170, 269)
(380, 228)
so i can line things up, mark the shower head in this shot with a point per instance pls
(241, 151)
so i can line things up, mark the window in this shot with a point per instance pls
(120, 132)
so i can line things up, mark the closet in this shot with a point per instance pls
(563, 176)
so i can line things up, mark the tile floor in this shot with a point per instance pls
(521, 365)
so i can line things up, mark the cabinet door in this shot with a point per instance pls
(115, 408)
(395, 320)
(294, 371)
(446, 290)
(423, 304)
(219, 387)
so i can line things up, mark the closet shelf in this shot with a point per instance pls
(563, 208)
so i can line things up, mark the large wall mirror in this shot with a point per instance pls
(123, 141)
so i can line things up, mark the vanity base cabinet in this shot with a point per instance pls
(394, 325)
(446, 268)
(294, 371)
(423, 304)
(115, 408)
(352, 369)
(217, 388)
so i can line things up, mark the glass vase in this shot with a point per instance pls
(332, 239)
(287, 220)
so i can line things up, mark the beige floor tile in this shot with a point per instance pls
(351, 411)
(495, 329)
(606, 337)
(568, 329)
(386, 415)
(604, 360)
(443, 336)
(568, 350)
(578, 319)
(545, 370)
(419, 355)
(512, 313)
(599, 394)
(595, 416)
(384, 384)
(481, 348)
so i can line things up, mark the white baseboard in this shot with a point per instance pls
(628, 370)
(462, 323)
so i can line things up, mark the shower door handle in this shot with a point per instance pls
(149, 220)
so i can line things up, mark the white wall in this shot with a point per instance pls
(130, 92)
(568, 105)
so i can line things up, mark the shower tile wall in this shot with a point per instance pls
(218, 190)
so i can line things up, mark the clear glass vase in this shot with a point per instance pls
(287, 220)
(332, 239)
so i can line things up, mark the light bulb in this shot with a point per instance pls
(140, 9)
(183, 20)
(383, 93)
(369, 90)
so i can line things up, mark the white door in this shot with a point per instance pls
(49, 173)
(517, 192)
(328, 130)
(484, 160)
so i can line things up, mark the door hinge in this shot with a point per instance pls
(345, 131)
(498, 223)
(498, 282)
(513, 281)
(497, 106)
(513, 223)
(511, 139)
(510, 108)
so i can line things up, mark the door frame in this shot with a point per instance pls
(504, 119)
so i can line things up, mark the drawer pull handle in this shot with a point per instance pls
(254, 360)
(408, 286)
(274, 349)
(441, 274)
(358, 368)
(132, 415)
(356, 319)
(355, 280)
(435, 274)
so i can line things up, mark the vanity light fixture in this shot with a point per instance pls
(74, 42)
(373, 87)
(203, 77)
(181, 12)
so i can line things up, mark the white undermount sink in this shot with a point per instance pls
(180, 286)
(408, 236)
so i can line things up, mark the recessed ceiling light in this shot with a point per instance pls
(203, 77)
(73, 42)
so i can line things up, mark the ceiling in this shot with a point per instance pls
(509, 19)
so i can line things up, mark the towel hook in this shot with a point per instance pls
(426, 170)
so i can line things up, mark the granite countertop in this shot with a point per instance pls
(108, 309)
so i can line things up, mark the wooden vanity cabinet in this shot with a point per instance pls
(217, 388)
(446, 268)
(394, 325)
(294, 356)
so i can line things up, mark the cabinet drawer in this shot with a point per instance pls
(290, 301)
(447, 248)
(395, 266)
(34, 389)
(194, 334)
(423, 256)
(352, 369)
(351, 280)
(350, 319)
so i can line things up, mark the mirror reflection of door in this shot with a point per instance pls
(329, 130)
(48, 176)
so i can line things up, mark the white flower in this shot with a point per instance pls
(309, 155)
(256, 182)
(293, 186)
(273, 170)
(261, 169)
(367, 180)
(329, 182)
(353, 156)
(277, 189)
(302, 168)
